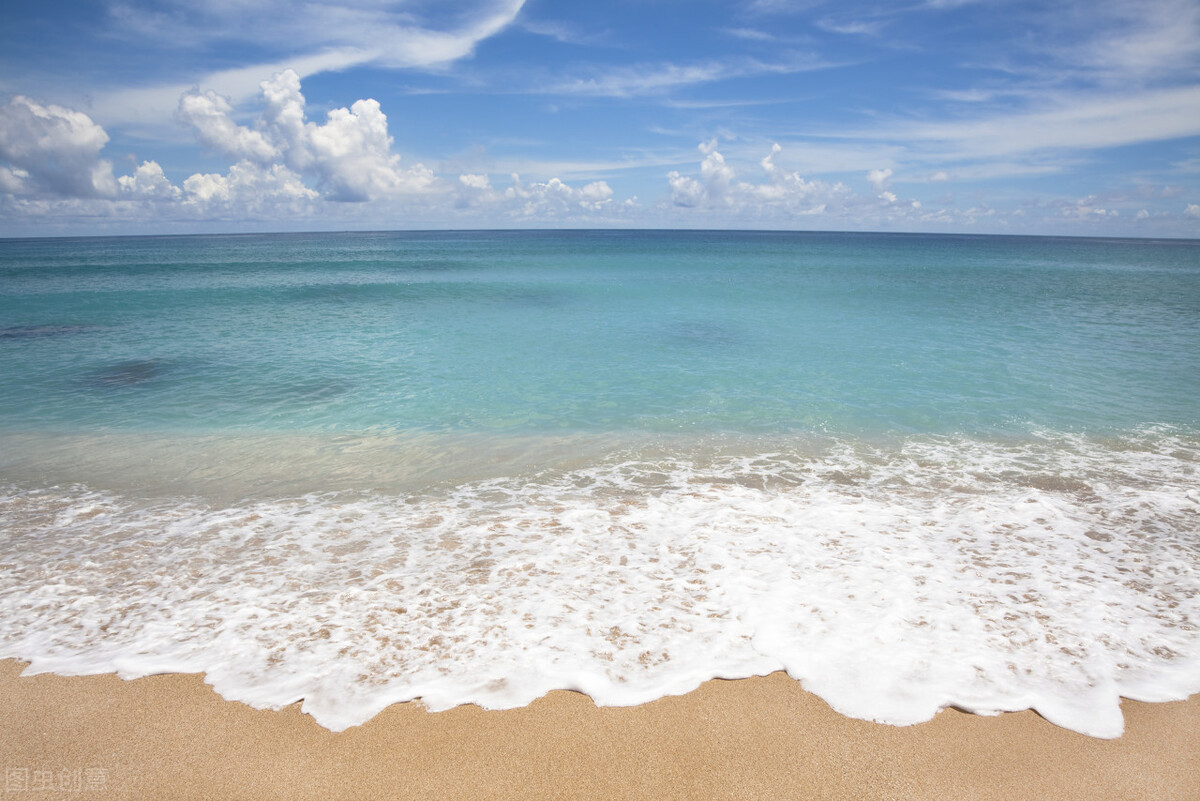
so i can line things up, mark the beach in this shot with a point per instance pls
(525, 514)
(171, 736)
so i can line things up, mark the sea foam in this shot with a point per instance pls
(1058, 573)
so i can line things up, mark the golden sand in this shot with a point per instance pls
(172, 737)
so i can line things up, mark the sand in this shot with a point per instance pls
(172, 737)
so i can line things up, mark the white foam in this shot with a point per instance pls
(1058, 573)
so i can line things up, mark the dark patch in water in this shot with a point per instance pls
(127, 374)
(38, 331)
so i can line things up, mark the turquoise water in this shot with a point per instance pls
(471, 467)
(598, 331)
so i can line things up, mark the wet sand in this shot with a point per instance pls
(172, 737)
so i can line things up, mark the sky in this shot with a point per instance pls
(975, 116)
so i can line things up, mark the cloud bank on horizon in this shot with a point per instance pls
(131, 116)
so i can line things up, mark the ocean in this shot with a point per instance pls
(913, 471)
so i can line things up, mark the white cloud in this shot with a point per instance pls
(718, 188)
(643, 79)
(1084, 209)
(399, 31)
(1125, 40)
(649, 79)
(316, 37)
(784, 198)
(350, 155)
(286, 167)
(941, 4)
(208, 113)
(55, 152)
(781, 6)
(247, 186)
(51, 150)
(541, 200)
(751, 34)
(852, 28)
(148, 181)
(13, 180)
(1192, 210)
(555, 195)
(562, 32)
(156, 105)
(1075, 123)
(879, 178)
(475, 181)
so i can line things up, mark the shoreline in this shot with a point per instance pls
(172, 736)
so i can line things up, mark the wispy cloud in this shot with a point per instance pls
(943, 4)
(781, 6)
(751, 34)
(852, 27)
(1124, 40)
(326, 37)
(732, 102)
(1078, 123)
(584, 170)
(648, 79)
(398, 35)
(563, 32)
(156, 104)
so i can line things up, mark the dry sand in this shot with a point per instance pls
(172, 737)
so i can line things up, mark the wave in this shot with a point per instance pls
(1055, 572)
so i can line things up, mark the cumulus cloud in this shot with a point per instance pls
(52, 151)
(284, 166)
(719, 188)
(349, 155)
(475, 181)
(1192, 210)
(148, 181)
(208, 113)
(879, 178)
(554, 197)
(540, 200)
(248, 186)
(1086, 208)
(352, 154)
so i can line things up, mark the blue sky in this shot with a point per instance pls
(943, 115)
